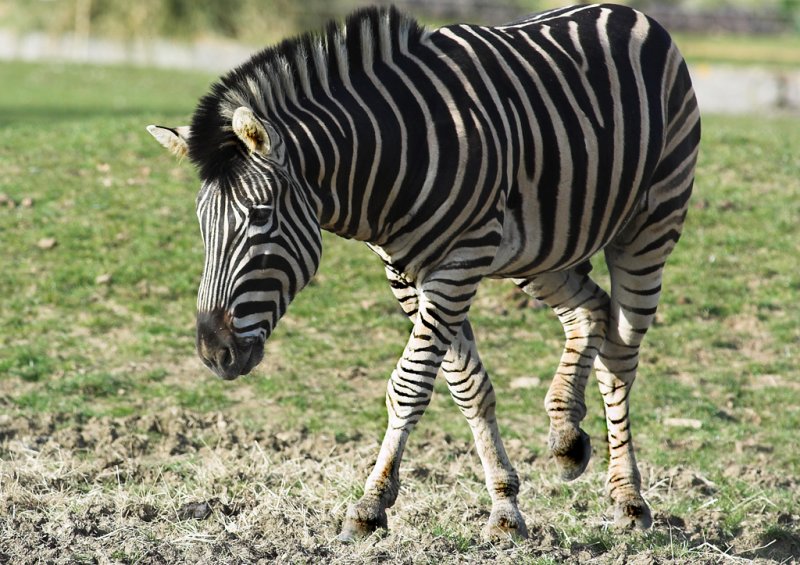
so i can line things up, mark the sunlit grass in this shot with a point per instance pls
(101, 324)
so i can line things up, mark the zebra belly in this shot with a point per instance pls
(518, 252)
(525, 250)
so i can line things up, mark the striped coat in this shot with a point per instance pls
(459, 153)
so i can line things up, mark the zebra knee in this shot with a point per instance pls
(473, 393)
(406, 401)
(616, 362)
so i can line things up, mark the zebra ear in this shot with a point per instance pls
(251, 131)
(176, 140)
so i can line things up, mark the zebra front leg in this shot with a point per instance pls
(380, 492)
(582, 309)
(472, 391)
(407, 395)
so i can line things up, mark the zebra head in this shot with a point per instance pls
(262, 244)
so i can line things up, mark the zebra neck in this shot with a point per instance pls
(346, 134)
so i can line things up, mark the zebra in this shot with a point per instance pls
(457, 154)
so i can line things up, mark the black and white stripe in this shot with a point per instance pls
(459, 153)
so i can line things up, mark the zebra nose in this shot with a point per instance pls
(225, 357)
(216, 344)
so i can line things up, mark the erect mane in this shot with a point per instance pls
(284, 74)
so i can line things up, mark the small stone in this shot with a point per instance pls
(105, 278)
(27, 202)
(147, 512)
(194, 511)
(221, 423)
(525, 382)
(47, 243)
(143, 287)
(683, 423)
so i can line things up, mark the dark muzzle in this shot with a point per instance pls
(220, 349)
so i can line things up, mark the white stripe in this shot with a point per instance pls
(618, 123)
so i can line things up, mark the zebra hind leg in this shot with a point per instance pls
(636, 260)
(582, 309)
(635, 290)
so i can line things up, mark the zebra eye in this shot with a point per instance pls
(260, 215)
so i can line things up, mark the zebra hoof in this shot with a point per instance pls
(632, 514)
(504, 522)
(572, 450)
(361, 520)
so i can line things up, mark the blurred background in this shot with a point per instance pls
(254, 21)
(760, 39)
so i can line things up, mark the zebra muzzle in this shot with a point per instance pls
(219, 348)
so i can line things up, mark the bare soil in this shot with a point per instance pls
(182, 487)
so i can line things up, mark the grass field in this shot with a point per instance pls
(116, 445)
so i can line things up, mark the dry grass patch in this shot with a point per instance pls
(181, 487)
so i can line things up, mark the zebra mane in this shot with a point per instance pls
(283, 75)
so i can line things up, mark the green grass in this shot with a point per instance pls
(117, 206)
(724, 350)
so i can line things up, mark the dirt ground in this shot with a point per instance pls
(180, 487)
